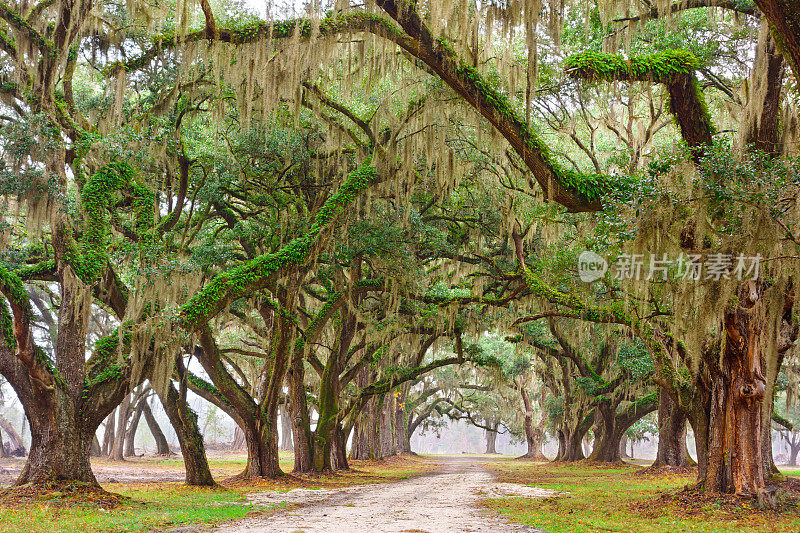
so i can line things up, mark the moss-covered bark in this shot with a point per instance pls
(672, 68)
(260, 272)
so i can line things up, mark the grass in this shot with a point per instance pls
(167, 505)
(151, 507)
(620, 500)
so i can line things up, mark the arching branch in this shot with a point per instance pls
(575, 191)
(739, 6)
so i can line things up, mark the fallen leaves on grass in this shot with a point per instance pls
(61, 495)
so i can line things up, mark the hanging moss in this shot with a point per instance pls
(611, 314)
(10, 15)
(263, 31)
(588, 186)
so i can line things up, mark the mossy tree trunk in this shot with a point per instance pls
(571, 434)
(400, 423)
(60, 443)
(63, 408)
(301, 421)
(339, 451)
(784, 17)
(259, 420)
(359, 447)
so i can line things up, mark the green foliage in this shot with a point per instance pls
(12, 288)
(643, 427)
(735, 185)
(635, 360)
(7, 327)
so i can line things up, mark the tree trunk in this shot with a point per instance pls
(362, 428)
(794, 449)
(3, 453)
(327, 423)
(623, 448)
(59, 443)
(400, 424)
(671, 433)
(607, 435)
(386, 435)
(123, 412)
(94, 450)
(262, 450)
(562, 446)
(491, 439)
(108, 434)
(238, 439)
(760, 125)
(573, 445)
(359, 448)
(17, 447)
(162, 446)
(184, 421)
(734, 459)
(613, 422)
(339, 451)
(130, 434)
(286, 429)
(784, 17)
(534, 436)
(301, 422)
(62, 411)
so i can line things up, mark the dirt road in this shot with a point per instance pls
(444, 501)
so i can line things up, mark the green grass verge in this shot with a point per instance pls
(617, 499)
(151, 507)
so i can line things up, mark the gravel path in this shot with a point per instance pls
(444, 501)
